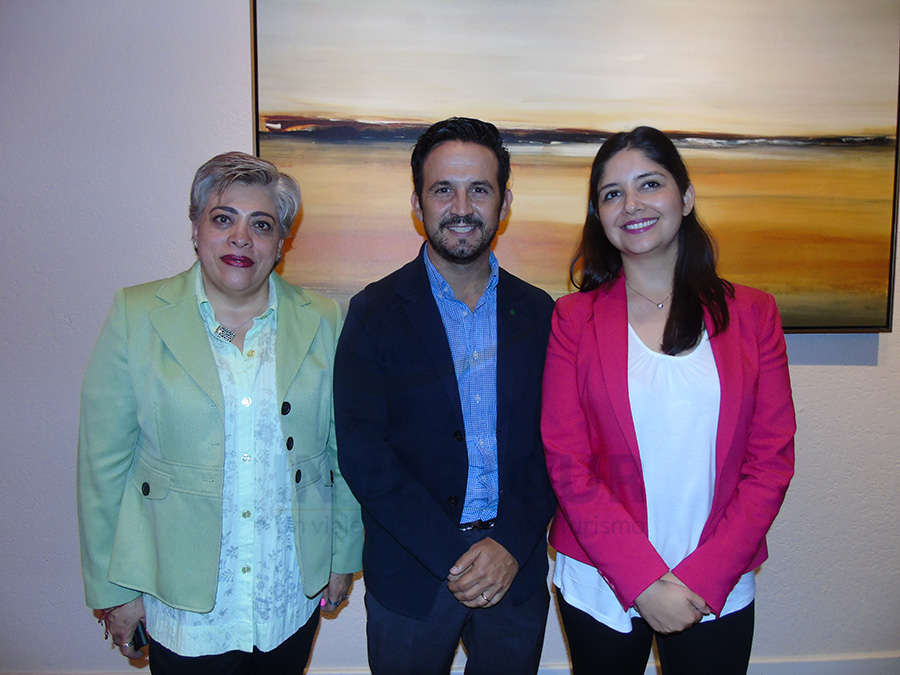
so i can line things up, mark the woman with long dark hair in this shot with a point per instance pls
(668, 425)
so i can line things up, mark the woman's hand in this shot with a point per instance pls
(669, 606)
(336, 591)
(121, 623)
(696, 600)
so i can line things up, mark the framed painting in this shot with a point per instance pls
(786, 114)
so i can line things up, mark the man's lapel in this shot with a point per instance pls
(514, 319)
(425, 328)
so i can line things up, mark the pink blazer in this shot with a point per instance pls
(593, 459)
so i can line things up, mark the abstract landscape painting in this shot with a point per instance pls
(786, 114)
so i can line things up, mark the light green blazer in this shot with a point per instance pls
(151, 448)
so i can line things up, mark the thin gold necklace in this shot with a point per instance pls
(659, 305)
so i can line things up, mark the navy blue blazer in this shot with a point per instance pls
(401, 438)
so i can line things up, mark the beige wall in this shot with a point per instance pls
(106, 109)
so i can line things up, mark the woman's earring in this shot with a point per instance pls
(194, 242)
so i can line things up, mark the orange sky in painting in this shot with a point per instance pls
(801, 223)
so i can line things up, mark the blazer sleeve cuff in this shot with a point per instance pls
(704, 584)
(110, 595)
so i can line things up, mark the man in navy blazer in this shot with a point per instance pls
(437, 390)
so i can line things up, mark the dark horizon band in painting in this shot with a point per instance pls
(355, 131)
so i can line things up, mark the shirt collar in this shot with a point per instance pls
(206, 308)
(439, 285)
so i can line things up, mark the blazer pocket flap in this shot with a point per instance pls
(310, 471)
(150, 482)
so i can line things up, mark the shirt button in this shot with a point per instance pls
(245, 514)
(477, 398)
(475, 356)
(246, 401)
(250, 353)
(245, 569)
(285, 408)
(245, 457)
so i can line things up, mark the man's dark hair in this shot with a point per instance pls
(468, 130)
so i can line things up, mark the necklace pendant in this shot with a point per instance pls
(660, 305)
(224, 333)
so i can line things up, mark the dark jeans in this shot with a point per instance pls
(720, 647)
(505, 638)
(290, 657)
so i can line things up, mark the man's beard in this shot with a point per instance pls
(464, 251)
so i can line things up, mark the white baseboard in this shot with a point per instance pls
(881, 663)
(877, 663)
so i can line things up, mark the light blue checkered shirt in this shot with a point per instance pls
(473, 345)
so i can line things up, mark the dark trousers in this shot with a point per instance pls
(720, 647)
(505, 638)
(290, 657)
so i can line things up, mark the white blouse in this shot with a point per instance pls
(675, 408)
